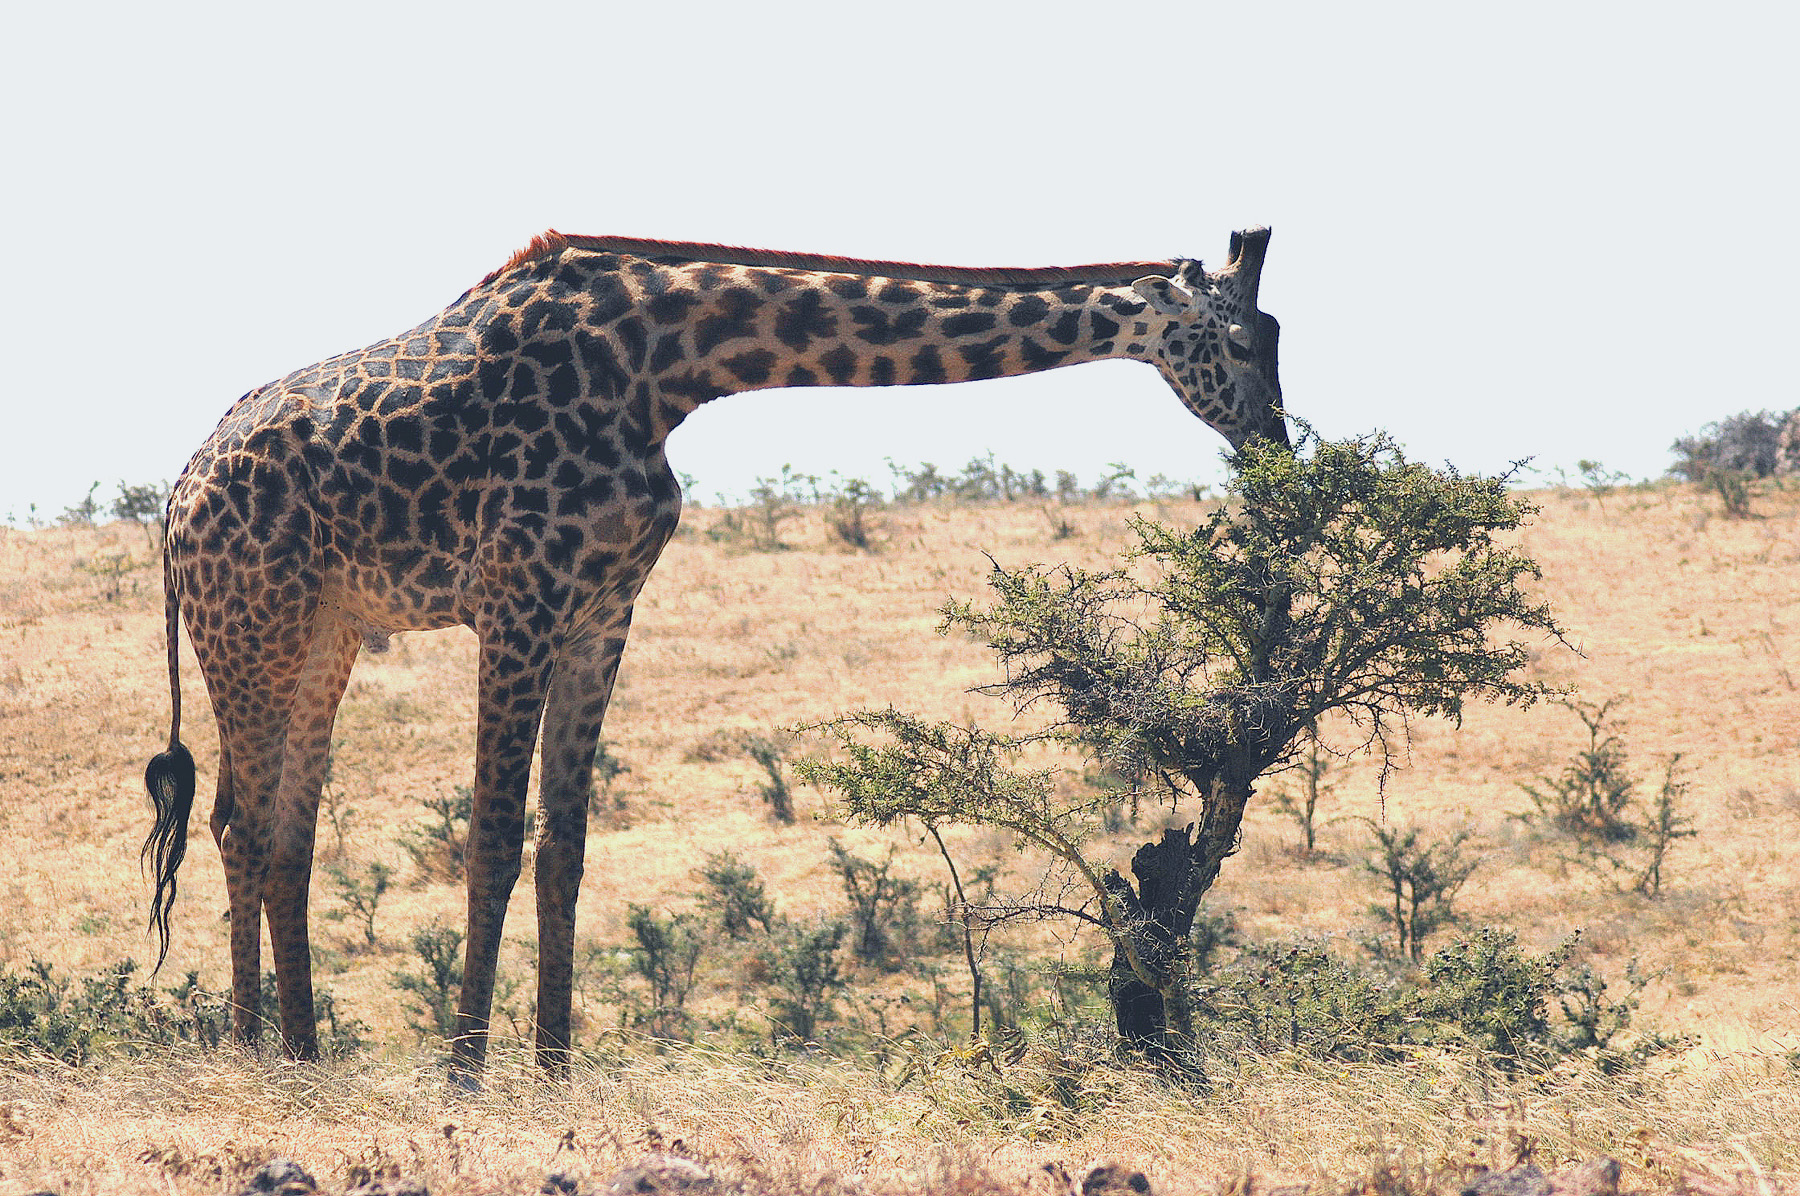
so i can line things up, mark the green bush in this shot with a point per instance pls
(1422, 880)
(884, 909)
(441, 846)
(805, 976)
(79, 1019)
(1481, 994)
(436, 988)
(736, 895)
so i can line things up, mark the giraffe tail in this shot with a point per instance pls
(170, 780)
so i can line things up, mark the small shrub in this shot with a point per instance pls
(1743, 444)
(360, 891)
(608, 768)
(666, 957)
(1727, 456)
(441, 847)
(83, 513)
(1482, 994)
(1590, 798)
(145, 505)
(1485, 994)
(774, 789)
(1422, 882)
(1664, 826)
(917, 484)
(1303, 806)
(436, 987)
(1595, 801)
(1596, 1025)
(1115, 485)
(1299, 996)
(79, 1019)
(884, 908)
(848, 514)
(735, 893)
(804, 977)
(773, 502)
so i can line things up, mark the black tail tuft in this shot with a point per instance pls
(170, 780)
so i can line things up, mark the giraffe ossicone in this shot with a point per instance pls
(501, 467)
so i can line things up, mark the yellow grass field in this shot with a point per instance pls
(1693, 618)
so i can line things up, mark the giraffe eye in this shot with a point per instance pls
(1238, 333)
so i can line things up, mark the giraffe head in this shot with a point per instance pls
(1214, 347)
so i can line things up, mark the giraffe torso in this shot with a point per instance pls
(491, 449)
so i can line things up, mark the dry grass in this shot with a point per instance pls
(203, 1123)
(1696, 617)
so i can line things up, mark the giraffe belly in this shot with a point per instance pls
(417, 592)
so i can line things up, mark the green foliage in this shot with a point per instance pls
(1422, 881)
(1347, 579)
(1595, 802)
(884, 909)
(437, 985)
(81, 1019)
(736, 895)
(83, 513)
(440, 847)
(773, 789)
(1482, 994)
(1743, 444)
(849, 510)
(1728, 455)
(773, 502)
(666, 956)
(1591, 798)
(607, 769)
(804, 975)
(361, 891)
(1298, 996)
(146, 505)
(1599, 480)
(1659, 831)
(1303, 806)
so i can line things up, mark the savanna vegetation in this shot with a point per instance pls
(1433, 935)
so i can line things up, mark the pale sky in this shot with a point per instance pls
(1561, 231)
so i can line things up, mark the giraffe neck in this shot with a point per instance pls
(702, 329)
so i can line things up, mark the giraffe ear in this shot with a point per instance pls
(1163, 294)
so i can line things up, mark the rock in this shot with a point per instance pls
(659, 1173)
(1599, 1177)
(363, 1182)
(561, 1183)
(1114, 1179)
(282, 1177)
(1523, 1180)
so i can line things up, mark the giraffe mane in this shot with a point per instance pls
(551, 241)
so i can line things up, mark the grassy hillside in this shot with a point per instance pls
(1694, 619)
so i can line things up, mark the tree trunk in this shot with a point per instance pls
(1152, 1003)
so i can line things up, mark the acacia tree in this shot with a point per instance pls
(1337, 578)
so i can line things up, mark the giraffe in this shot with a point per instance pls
(501, 467)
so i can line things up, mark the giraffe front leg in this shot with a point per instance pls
(579, 691)
(513, 675)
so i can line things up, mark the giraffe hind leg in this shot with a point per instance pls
(254, 677)
(308, 748)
